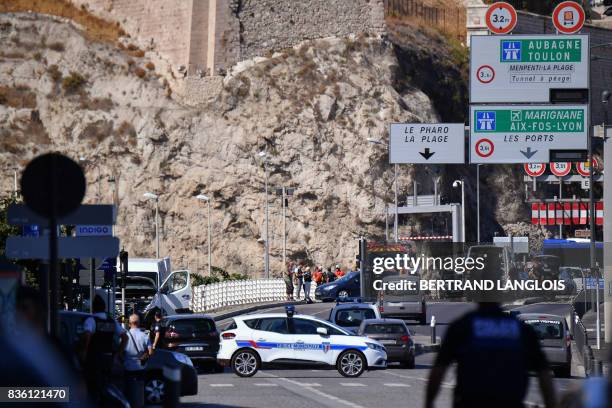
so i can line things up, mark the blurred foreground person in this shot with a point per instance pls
(593, 392)
(494, 353)
(98, 353)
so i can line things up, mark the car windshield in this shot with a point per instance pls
(203, 326)
(347, 277)
(385, 329)
(570, 273)
(546, 329)
(353, 317)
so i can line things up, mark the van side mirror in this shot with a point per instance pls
(322, 331)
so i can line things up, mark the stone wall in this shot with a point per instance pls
(601, 70)
(208, 36)
(274, 24)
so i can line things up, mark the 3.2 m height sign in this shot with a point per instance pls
(523, 68)
(525, 134)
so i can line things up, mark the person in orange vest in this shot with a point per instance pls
(318, 276)
(338, 272)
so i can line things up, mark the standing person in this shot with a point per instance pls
(137, 350)
(338, 272)
(156, 329)
(307, 283)
(494, 353)
(289, 281)
(318, 276)
(329, 276)
(299, 280)
(98, 345)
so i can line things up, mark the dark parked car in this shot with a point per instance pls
(194, 335)
(346, 286)
(155, 382)
(394, 335)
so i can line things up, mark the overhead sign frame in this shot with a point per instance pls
(525, 133)
(524, 68)
(427, 143)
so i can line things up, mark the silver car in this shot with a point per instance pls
(555, 340)
(403, 304)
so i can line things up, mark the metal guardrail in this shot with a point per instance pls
(242, 292)
(580, 335)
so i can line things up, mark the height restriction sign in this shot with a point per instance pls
(501, 18)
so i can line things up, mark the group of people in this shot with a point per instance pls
(299, 277)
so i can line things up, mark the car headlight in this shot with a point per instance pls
(181, 358)
(330, 287)
(375, 346)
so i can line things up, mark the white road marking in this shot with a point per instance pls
(352, 385)
(221, 385)
(265, 385)
(319, 393)
(396, 385)
(408, 377)
(310, 384)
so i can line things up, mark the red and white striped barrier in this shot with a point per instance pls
(574, 213)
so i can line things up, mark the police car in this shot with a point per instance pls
(252, 341)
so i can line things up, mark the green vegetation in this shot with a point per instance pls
(218, 275)
(73, 82)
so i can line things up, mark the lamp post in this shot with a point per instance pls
(264, 157)
(155, 197)
(205, 198)
(477, 203)
(456, 184)
(395, 183)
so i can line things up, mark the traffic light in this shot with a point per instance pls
(123, 266)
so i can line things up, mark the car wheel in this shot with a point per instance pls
(245, 363)
(351, 363)
(409, 363)
(343, 293)
(154, 390)
(564, 372)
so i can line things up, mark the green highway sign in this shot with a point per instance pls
(525, 134)
(524, 68)
(558, 49)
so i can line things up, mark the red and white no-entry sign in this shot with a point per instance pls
(583, 168)
(484, 147)
(568, 17)
(534, 169)
(560, 169)
(501, 18)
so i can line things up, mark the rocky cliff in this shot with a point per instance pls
(311, 108)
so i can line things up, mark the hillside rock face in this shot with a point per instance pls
(311, 108)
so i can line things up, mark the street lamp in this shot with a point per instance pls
(205, 198)
(395, 182)
(456, 184)
(155, 197)
(477, 203)
(264, 157)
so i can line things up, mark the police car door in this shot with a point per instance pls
(309, 345)
(272, 340)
